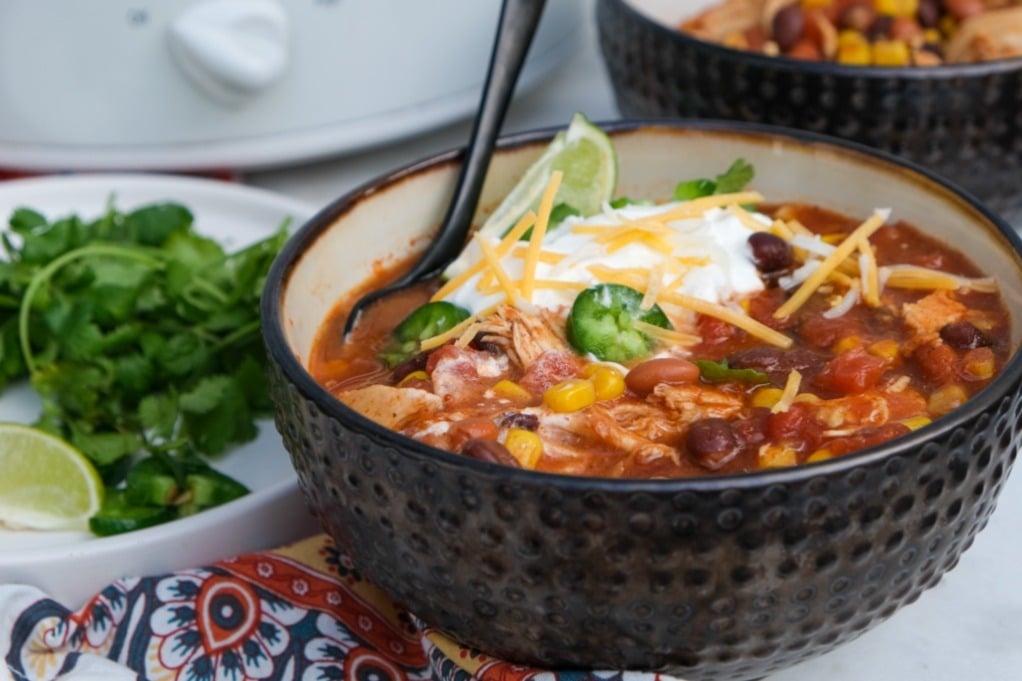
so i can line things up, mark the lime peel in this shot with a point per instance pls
(586, 157)
(45, 483)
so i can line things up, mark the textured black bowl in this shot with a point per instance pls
(962, 121)
(714, 578)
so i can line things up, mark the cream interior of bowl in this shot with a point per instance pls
(393, 221)
(671, 12)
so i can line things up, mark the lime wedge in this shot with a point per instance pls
(586, 157)
(45, 483)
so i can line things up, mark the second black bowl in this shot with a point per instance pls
(961, 121)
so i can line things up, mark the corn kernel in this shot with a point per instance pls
(766, 397)
(855, 54)
(608, 381)
(847, 343)
(946, 398)
(931, 36)
(896, 8)
(524, 445)
(736, 40)
(510, 390)
(849, 36)
(820, 455)
(776, 456)
(833, 238)
(413, 376)
(887, 349)
(981, 369)
(916, 422)
(570, 395)
(890, 53)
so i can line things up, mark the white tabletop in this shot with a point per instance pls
(967, 628)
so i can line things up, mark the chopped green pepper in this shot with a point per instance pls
(424, 322)
(602, 323)
(717, 372)
(119, 514)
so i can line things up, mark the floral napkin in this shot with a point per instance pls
(298, 612)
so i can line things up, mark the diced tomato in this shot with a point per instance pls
(938, 361)
(795, 428)
(853, 371)
(904, 404)
(472, 428)
(822, 332)
(553, 366)
(763, 305)
(713, 330)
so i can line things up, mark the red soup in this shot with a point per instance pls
(678, 340)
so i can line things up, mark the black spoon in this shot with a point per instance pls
(515, 29)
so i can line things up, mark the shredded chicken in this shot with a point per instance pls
(926, 317)
(994, 34)
(524, 337)
(690, 402)
(392, 407)
(634, 429)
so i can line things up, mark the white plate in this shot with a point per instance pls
(72, 566)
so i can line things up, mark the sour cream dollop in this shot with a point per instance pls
(706, 257)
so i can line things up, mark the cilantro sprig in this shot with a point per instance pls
(142, 339)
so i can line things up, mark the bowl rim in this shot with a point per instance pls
(833, 69)
(305, 236)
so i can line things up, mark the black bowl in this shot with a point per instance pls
(711, 578)
(961, 121)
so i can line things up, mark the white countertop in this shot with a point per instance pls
(967, 628)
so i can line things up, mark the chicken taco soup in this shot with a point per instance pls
(712, 331)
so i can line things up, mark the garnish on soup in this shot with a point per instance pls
(711, 333)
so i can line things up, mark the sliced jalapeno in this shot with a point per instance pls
(119, 514)
(602, 323)
(424, 322)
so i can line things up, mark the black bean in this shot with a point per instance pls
(778, 363)
(479, 342)
(789, 25)
(416, 363)
(928, 14)
(712, 442)
(770, 252)
(880, 28)
(489, 450)
(520, 420)
(963, 336)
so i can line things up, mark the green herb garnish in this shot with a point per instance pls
(142, 339)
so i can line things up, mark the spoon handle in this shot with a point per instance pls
(517, 25)
(515, 30)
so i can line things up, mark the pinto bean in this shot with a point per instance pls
(643, 378)
(489, 450)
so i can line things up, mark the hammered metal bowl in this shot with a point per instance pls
(961, 121)
(713, 578)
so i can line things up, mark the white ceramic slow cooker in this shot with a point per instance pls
(242, 84)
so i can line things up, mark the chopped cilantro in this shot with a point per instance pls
(141, 338)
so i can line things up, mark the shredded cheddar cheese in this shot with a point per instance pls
(546, 204)
(828, 265)
(790, 392)
(726, 314)
(456, 330)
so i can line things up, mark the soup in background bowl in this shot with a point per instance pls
(709, 577)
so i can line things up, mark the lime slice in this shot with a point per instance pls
(586, 157)
(45, 483)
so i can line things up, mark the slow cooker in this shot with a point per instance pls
(243, 84)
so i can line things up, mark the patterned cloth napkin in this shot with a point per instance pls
(298, 612)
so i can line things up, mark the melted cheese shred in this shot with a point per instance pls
(790, 392)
